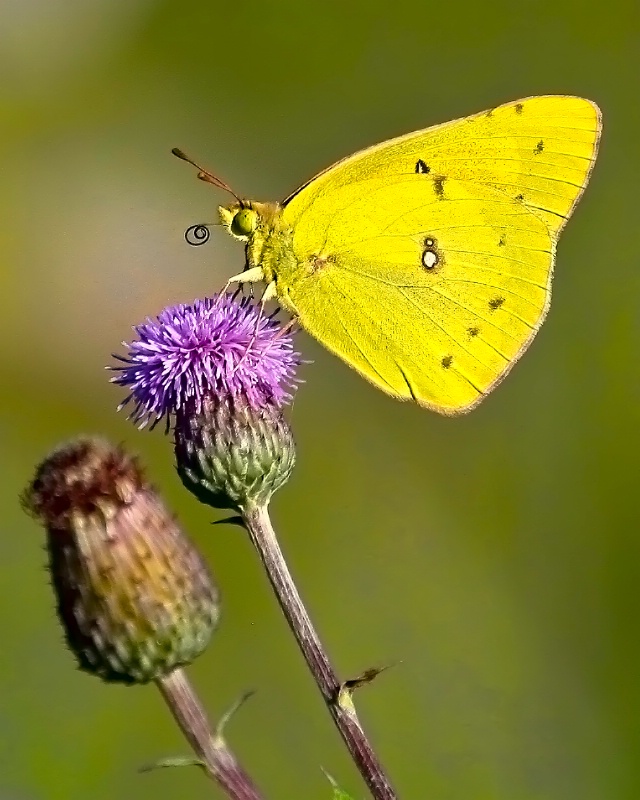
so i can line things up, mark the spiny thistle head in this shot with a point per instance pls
(134, 596)
(217, 346)
(221, 371)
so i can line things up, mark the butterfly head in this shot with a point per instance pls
(240, 219)
(250, 221)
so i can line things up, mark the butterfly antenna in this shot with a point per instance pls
(204, 174)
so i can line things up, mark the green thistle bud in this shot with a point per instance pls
(232, 454)
(134, 596)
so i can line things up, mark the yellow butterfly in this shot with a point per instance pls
(425, 262)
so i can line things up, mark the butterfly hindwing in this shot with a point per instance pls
(432, 303)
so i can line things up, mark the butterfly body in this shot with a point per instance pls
(426, 262)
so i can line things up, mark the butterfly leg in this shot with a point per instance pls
(251, 341)
(268, 294)
(253, 275)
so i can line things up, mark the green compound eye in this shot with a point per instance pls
(244, 222)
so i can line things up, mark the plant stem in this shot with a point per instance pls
(339, 702)
(217, 759)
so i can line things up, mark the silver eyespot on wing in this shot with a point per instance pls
(429, 259)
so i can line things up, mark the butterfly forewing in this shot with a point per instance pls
(539, 150)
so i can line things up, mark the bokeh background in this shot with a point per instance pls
(494, 558)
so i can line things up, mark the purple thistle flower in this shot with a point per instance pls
(217, 346)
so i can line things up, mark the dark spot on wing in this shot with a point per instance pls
(503, 241)
(519, 197)
(496, 303)
(473, 331)
(539, 147)
(438, 186)
(447, 361)
(519, 108)
(430, 256)
(422, 168)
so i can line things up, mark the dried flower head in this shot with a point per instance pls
(134, 596)
(217, 346)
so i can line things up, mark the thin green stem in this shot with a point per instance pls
(217, 759)
(338, 701)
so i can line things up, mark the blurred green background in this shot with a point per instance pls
(494, 558)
